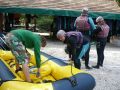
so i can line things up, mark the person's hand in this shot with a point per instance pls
(38, 74)
(66, 50)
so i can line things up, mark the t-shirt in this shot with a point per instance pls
(30, 40)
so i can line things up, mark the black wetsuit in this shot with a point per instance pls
(100, 46)
(75, 49)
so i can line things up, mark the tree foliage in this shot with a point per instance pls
(118, 2)
(44, 23)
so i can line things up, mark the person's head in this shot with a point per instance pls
(100, 20)
(61, 35)
(43, 41)
(84, 11)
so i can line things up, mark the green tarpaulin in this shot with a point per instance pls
(57, 12)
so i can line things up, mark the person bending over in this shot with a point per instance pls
(18, 40)
(78, 46)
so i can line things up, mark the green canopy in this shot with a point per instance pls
(57, 12)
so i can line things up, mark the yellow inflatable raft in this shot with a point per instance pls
(55, 74)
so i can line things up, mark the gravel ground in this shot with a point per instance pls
(107, 77)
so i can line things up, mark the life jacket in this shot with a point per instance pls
(104, 31)
(77, 34)
(82, 23)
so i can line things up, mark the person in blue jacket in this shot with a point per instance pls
(85, 24)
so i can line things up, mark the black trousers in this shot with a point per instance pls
(77, 62)
(100, 46)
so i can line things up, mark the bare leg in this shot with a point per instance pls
(26, 72)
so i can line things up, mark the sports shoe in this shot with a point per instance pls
(88, 67)
(97, 67)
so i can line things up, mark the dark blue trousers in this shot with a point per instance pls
(100, 46)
